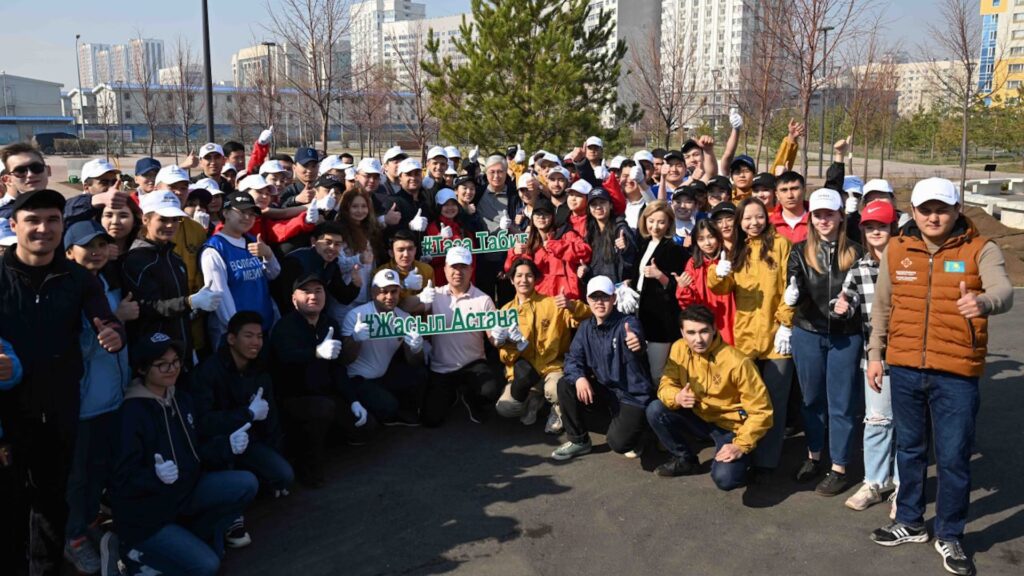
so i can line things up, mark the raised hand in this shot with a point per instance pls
(360, 414)
(259, 249)
(258, 407)
(239, 439)
(201, 218)
(426, 295)
(127, 309)
(205, 299)
(504, 222)
(266, 136)
(418, 222)
(167, 471)
(723, 268)
(792, 294)
(968, 304)
(361, 330)
(446, 231)
(561, 302)
(620, 242)
(414, 281)
(735, 119)
(685, 397)
(108, 338)
(312, 213)
(393, 216)
(413, 340)
(632, 340)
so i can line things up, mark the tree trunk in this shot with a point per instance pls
(760, 141)
(963, 142)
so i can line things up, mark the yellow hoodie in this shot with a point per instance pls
(730, 393)
(548, 330)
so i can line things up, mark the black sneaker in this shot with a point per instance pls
(477, 412)
(954, 559)
(810, 470)
(679, 467)
(237, 537)
(897, 533)
(833, 484)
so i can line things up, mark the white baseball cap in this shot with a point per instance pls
(210, 184)
(96, 168)
(171, 175)
(458, 255)
(369, 166)
(163, 202)
(601, 284)
(435, 152)
(452, 152)
(252, 182)
(408, 165)
(643, 155)
(616, 163)
(350, 173)
(332, 162)
(393, 153)
(825, 199)
(444, 195)
(525, 181)
(386, 277)
(581, 186)
(272, 167)
(549, 157)
(878, 185)
(451, 171)
(853, 185)
(934, 189)
(210, 147)
(594, 141)
(558, 170)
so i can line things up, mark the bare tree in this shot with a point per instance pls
(410, 81)
(760, 92)
(315, 29)
(370, 101)
(664, 83)
(185, 84)
(146, 97)
(243, 111)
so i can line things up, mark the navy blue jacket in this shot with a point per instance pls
(222, 395)
(304, 261)
(599, 352)
(295, 368)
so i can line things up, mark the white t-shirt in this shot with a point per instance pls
(450, 352)
(374, 355)
(790, 221)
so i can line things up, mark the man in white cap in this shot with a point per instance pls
(411, 200)
(101, 187)
(454, 158)
(939, 280)
(606, 368)
(458, 364)
(390, 385)
(211, 162)
(594, 148)
(437, 164)
(190, 236)
(496, 200)
(392, 158)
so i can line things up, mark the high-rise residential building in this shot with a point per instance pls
(145, 59)
(917, 84)
(93, 62)
(192, 76)
(406, 40)
(367, 27)
(105, 63)
(1001, 61)
(279, 62)
(635, 22)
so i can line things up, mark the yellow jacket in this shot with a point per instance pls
(786, 154)
(188, 241)
(757, 289)
(425, 270)
(548, 330)
(730, 393)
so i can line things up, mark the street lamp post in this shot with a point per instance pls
(119, 98)
(270, 84)
(81, 102)
(821, 102)
(208, 73)
(716, 73)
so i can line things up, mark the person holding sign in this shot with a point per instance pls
(710, 390)
(557, 253)
(412, 273)
(606, 368)
(447, 226)
(458, 361)
(389, 384)
(535, 351)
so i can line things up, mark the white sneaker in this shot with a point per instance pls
(533, 405)
(554, 424)
(635, 452)
(865, 496)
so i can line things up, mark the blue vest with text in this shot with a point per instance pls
(246, 280)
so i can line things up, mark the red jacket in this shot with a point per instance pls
(557, 262)
(434, 229)
(259, 154)
(724, 306)
(277, 231)
(794, 235)
(579, 224)
(611, 184)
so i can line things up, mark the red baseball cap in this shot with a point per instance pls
(878, 211)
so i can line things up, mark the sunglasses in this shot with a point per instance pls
(34, 167)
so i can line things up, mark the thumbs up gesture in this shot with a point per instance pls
(724, 267)
(652, 271)
(128, 309)
(968, 304)
(328, 202)
(259, 249)
(792, 294)
(108, 338)
(413, 340)
(427, 294)
(361, 330)
(685, 397)
(844, 304)
(259, 407)
(620, 242)
(312, 213)
(393, 216)
(266, 136)
(239, 439)
(201, 217)
(632, 340)
(167, 472)
(413, 281)
(504, 222)
(446, 231)
(329, 348)
(205, 299)
(418, 222)
(561, 302)
(735, 119)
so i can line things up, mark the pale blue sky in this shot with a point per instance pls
(38, 40)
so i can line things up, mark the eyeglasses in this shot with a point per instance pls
(34, 167)
(167, 367)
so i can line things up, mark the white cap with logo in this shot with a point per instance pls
(163, 202)
(824, 199)
(209, 148)
(171, 175)
(96, 168)
(369, 166)
(386, 277)
(934, 189)
(458, 255)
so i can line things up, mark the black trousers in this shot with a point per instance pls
(477, 381)
(307, 421)
(400, 387)
(628, 423)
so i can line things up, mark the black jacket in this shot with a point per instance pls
(295, 368)
(659, 309)
(43, 325)
(609, 261)
(222, 395)
(817, 290)
(157, 278)
(305, 261)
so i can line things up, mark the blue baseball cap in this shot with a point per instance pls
(743, 160)
(82, 232)
(147, 165)
(304, 156)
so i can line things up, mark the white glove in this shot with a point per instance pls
(851, 204)
(627, 300)
(782, 341)
(327, 203)
(515, 334)
(601, 173)
(724, 267)
(259, 407)
(792, 294)
(240, 439)
(474, 154)
(413, 281)
(329, 348)
(346, 263)
(312, 213)
(520, 156)
(205, 299)
(360, 413)
(735, 119)
(500, 336)
(380, 221)
(413, 340)
(504, 222)
(427, 182)
(201, 217)
(167, 472)
(427, 294)
(266, 136)
(418, 222)
(446, 231)
(361, 330)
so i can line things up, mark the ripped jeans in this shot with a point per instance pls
(879, 435)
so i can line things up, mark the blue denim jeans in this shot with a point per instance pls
(879, 435)
(90, 470)
(196, 545)
(828, 368)
(953, 401)
(669, 425)
(272, 470)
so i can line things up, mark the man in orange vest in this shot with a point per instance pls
(938, 282)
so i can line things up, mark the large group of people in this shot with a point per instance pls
(171, 344)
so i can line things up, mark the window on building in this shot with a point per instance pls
(128, 114)
(229, 97)
(1016, 68)
(1018, 35)
(1018, 16)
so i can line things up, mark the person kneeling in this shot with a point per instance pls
(710, 390)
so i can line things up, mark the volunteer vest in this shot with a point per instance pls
(246, 280)
(926, 329)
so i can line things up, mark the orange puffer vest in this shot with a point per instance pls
(926, 329)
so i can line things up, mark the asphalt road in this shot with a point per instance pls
(482, 500)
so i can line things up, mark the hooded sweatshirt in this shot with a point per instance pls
(105, 376)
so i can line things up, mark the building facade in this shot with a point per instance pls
(366, 31)
(29, 106)
(1001, 58)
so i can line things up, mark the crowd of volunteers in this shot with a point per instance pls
(174, 344)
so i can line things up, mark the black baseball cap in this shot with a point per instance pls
(720, 182)
(39, 199)
(463, 180)
(82, 232)
(241, 201)
(690, 145)
(598, 194)
(764, 180)
(306, 279)
(329, 181)
(687, 191)
(722, 208)
(673, 155)
(743, 160)
(150, 348)
(544, 205)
